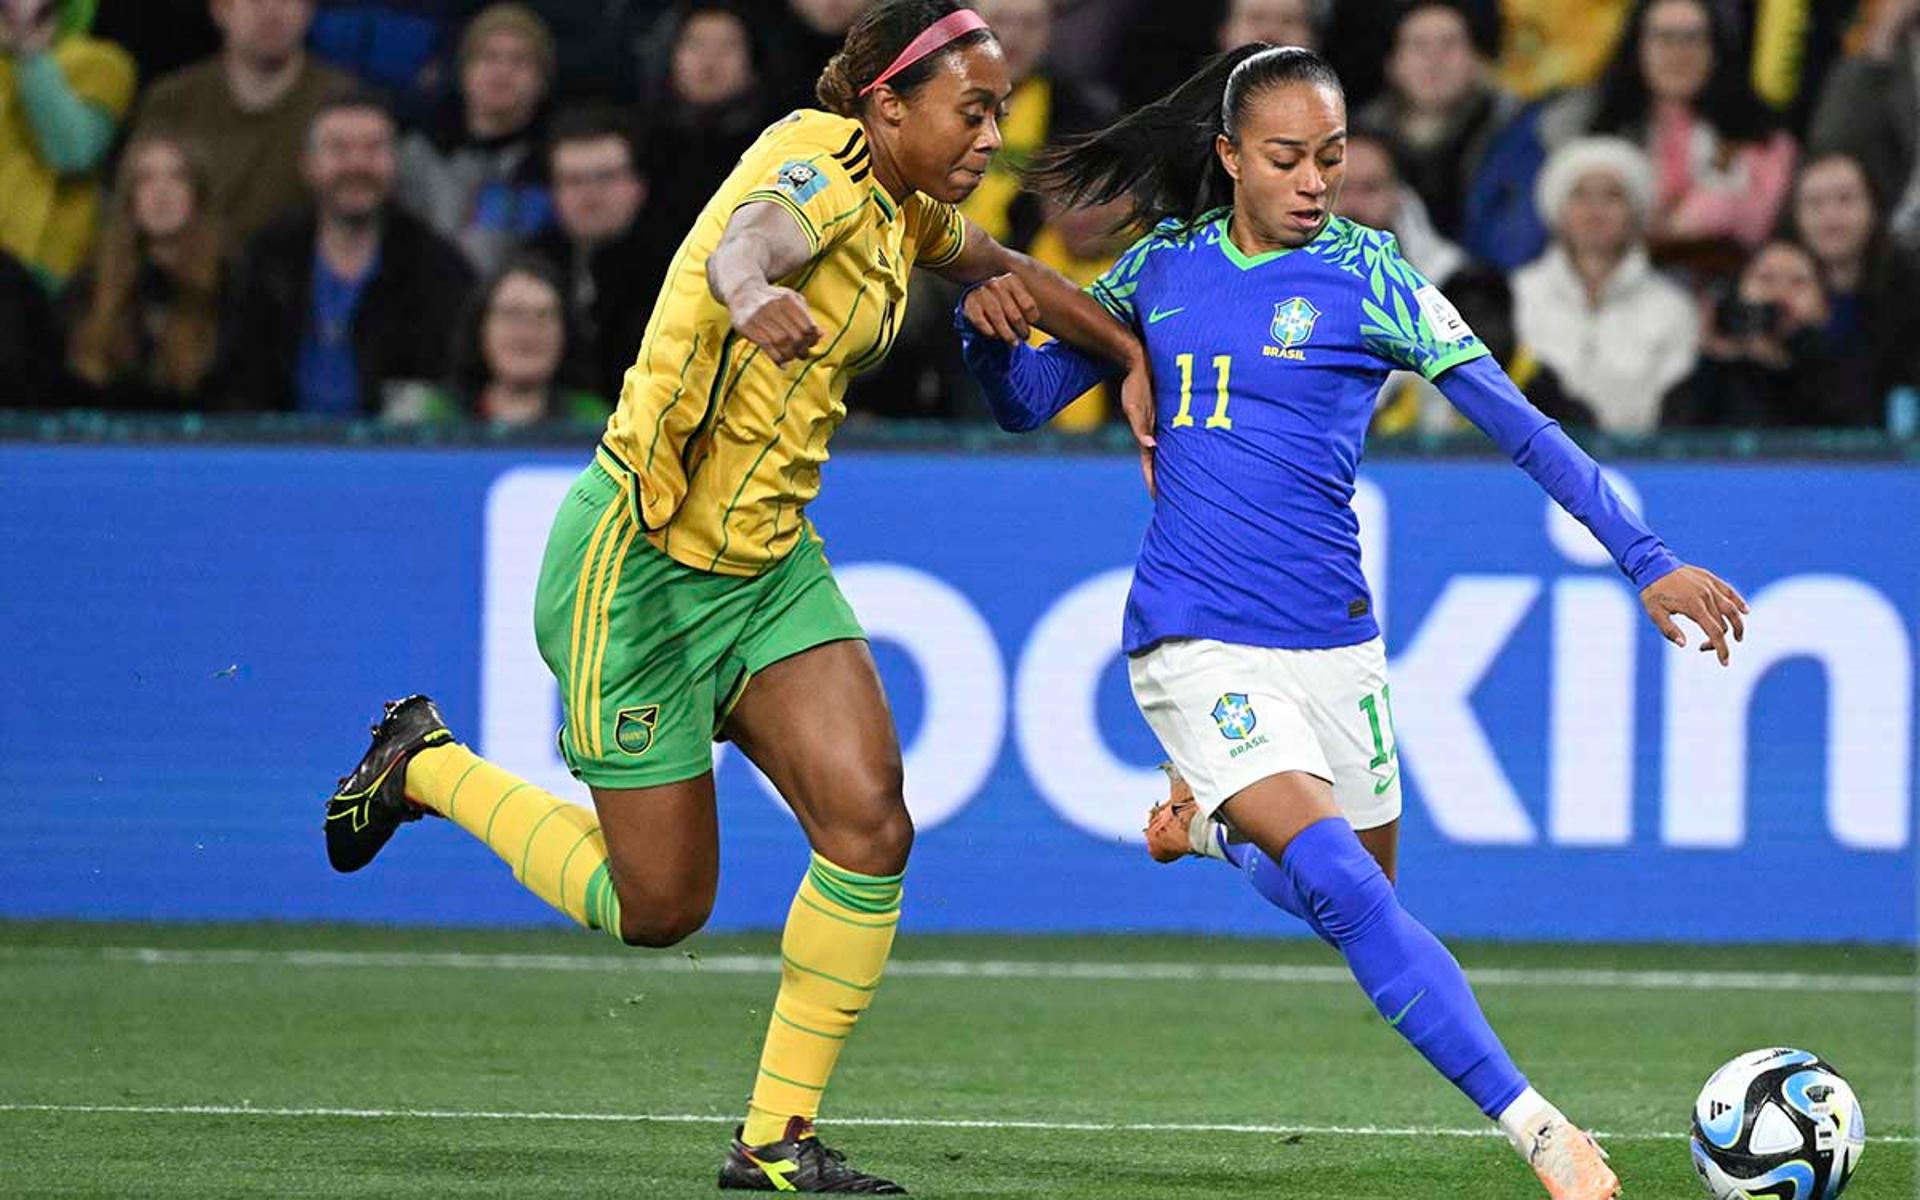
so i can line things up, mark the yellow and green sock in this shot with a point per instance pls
(555, 848)
(838, 936)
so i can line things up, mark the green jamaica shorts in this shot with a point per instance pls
(652, 654)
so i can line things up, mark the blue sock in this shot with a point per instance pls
(1405, 971)
(1273, 884)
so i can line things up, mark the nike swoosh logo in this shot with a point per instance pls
(1157, 316)
(1395, 1022)
(1381, 785)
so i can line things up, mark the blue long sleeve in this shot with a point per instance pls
(1484, 395)
(1026, 386)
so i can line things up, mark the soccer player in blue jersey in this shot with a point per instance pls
(1253, 649)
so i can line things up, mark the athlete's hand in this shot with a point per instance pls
(775, 319)
(1136, 401)
(1703, 598)
(1002, 307)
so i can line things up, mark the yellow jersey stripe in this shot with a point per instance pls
(728, 386)
(587, 684)
(700, 431)
(672, 403)
(580, 589)
(606, 624)
(647, 341)
(726, 518)
(834, 220)
(768, 196)
(957, 229)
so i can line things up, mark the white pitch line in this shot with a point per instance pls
(909, 968)
(602, 1118)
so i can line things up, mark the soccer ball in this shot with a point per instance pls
(1777, 1123)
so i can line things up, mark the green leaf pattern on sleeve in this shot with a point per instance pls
(1114, 290)
(1393, 324)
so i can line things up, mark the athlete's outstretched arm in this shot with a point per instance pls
(1045, 298)
(763, 243)
(1015, 292)
(1025, 386)
(1668, 587)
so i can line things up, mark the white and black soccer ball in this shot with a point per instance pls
(1777, 1123)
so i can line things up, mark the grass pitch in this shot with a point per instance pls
(172, 1061)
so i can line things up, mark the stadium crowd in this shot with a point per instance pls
(1659, 213)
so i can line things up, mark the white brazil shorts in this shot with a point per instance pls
(1230, 715)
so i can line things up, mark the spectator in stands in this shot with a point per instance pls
(1276, 22)
(596, 45)
(1765, 360)
(249, 106)
(398, 47)
(1871, 282)
(512, 362)
(146, 315)
(162, 35)
(29, 376)
(1677, 87)
(799, 40)
(1870, 108)
(610, 262)
(63, 94)
(1041, 110)
(1440, 109)
(1592, 308)
(709, 110)
(475, 177)
(335, 303)
(1548, 46)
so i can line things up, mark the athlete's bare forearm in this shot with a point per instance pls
(1063, 310)
(764, 243)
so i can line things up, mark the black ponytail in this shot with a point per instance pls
(1162, 156)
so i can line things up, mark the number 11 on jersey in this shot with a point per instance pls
(1222, 372)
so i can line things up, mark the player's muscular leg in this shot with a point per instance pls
(818, 725)
(1271, 812)
(1383, 842)
(663, 851)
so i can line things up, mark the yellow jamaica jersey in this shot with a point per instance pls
(720, 448)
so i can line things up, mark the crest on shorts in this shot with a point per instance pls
(633, 729)
(1235, 716)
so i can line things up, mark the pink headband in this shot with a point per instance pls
(948, 29)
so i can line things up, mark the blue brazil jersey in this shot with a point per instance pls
(1266, 370)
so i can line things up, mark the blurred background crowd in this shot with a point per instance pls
(1661, 214)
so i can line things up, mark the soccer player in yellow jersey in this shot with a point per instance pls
(684, 595)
